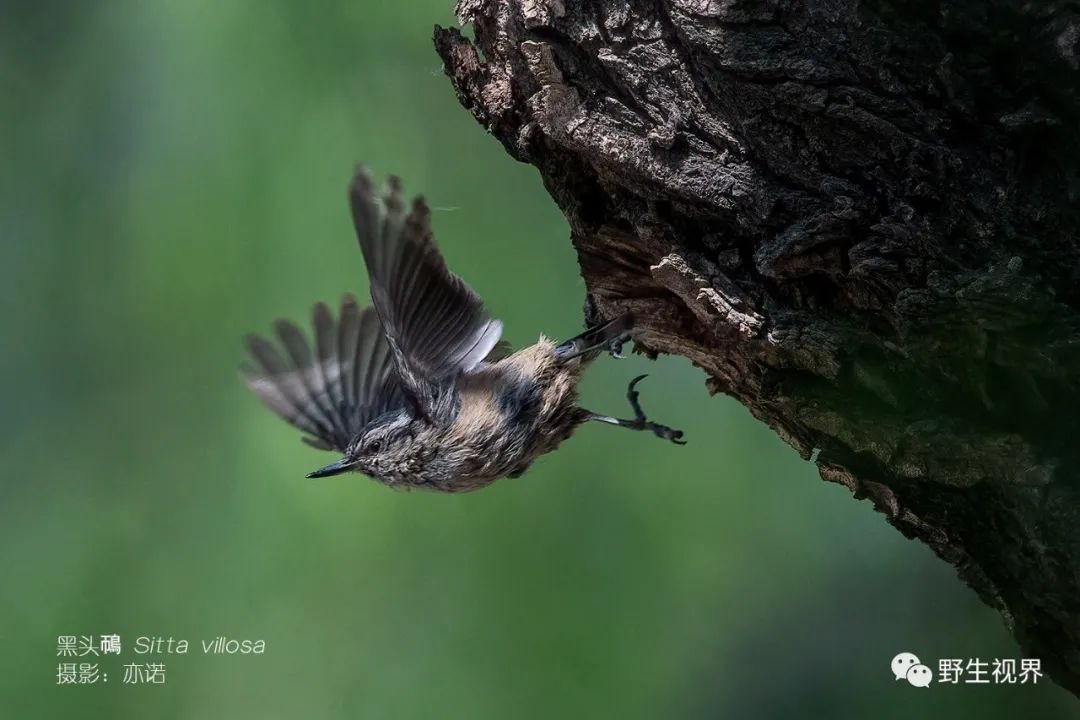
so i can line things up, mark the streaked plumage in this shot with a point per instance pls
(417, 390)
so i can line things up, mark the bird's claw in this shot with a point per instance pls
(663, 431)
(641, 422)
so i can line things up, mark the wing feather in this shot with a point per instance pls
(333, 391)
(435, 324)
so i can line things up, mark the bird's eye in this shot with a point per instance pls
(375, 447)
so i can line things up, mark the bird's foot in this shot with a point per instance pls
(614, 347)
(641, 422)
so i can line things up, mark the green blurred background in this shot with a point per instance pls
(173, 176)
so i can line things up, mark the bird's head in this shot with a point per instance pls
(382, 450)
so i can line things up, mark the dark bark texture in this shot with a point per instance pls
(860, 219)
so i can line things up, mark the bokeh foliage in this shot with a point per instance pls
(173, 176)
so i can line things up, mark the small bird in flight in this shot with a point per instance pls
(417, 390)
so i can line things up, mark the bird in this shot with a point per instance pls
(417, 390)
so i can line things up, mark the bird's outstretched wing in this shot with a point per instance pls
(330, 393)
(435, 324)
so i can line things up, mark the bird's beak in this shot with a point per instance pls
(343, 465)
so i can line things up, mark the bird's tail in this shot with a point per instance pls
(610, 336)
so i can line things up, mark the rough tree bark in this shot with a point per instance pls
(860, 219)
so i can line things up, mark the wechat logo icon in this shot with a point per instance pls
(906, 666)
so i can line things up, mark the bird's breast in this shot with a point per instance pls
(512, 411)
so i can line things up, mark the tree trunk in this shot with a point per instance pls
(859, 219)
